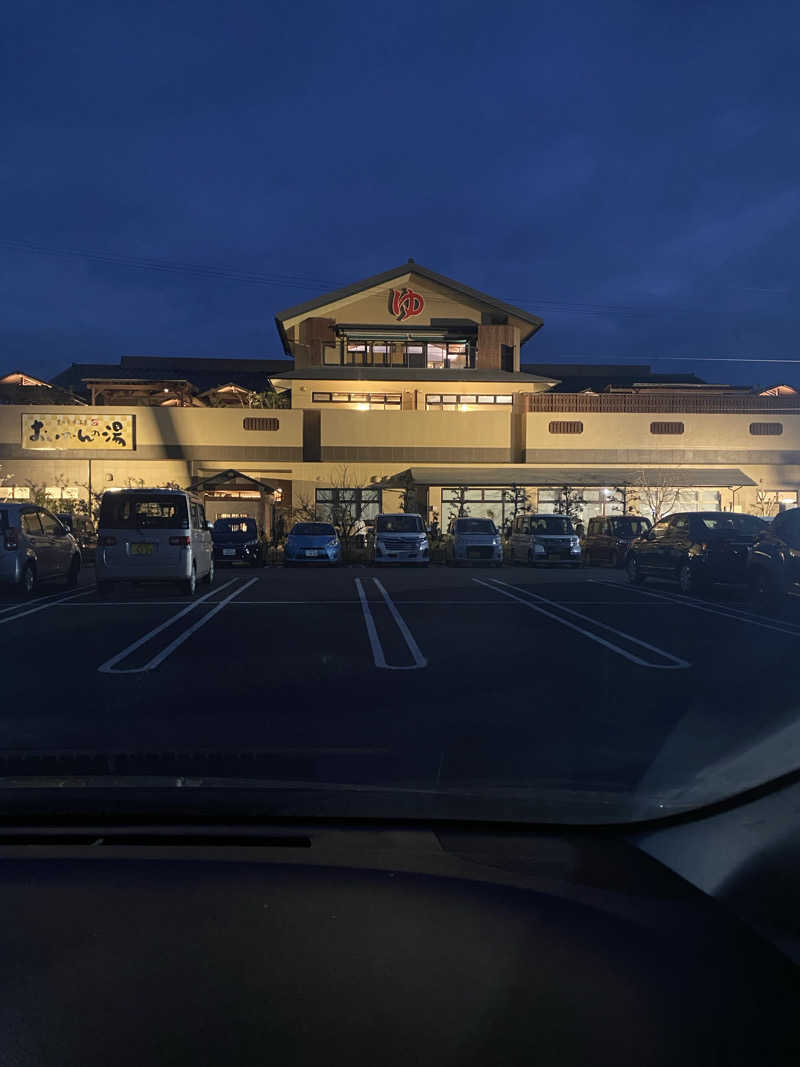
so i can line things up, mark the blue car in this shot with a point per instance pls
(312, 542)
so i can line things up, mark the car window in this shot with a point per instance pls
(50, 524)
(661, 529)
(30, 524)
(475, 526)
(789, 527)
(731, 521)
(552, 524)
(680, 524)
(129, 511)
(312, 529)
(399, 524)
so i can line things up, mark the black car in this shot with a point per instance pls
(236, 540)
(696, 548)
(774, 565)
(610, 536)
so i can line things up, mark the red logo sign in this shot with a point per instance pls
(405, 302)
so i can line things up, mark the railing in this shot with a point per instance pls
(654, 404)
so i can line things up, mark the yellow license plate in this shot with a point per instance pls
(141, 550)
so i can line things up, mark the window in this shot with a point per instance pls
(466, 401)
(375, 401)
(566, 427)
(666, 427)
(29, 521)
(660, 529)
(51, 527)
(195, 517)
(441, 354)
(260, 424)
(507, 357)
(344, 506)
(766, 429)
(124, 511)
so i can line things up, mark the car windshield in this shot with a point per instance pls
(234, 529)
(475, 526)
(732, 523)
(551, 524)
(630, 526)
(313, 529)
(126, 511)
(399, 524)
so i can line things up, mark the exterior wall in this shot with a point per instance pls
(412, 392)
(709, 440)
(416, 436)
(490, 338)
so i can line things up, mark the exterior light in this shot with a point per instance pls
(362, 407)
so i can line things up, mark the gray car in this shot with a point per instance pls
(537, 539)
(473, 541)
(36, 547)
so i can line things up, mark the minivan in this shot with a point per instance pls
(610, 536)
(35, 547)
(153, 535)
(401, 538)
(544, 539)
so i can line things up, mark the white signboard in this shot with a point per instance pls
(84, 431)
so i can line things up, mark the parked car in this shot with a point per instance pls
(695, 549)
(82, 529)
(473, 541)
(36, 547)
(400, 538)
(539, 539)
(773, 568)
(153, 535)
(312, 542)
(609, 537)
(237, 541)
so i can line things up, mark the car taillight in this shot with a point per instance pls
(108, 541)
(180, 542)
(10, 538)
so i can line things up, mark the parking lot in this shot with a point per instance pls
(363, 675)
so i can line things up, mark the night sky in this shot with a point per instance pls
(627, 171)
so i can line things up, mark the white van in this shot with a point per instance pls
(545, 539)
(400, 538)
(153, 535)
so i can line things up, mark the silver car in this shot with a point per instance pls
(153, 535)
(312, 542)
(545, 539)
(400, 538)
(36, 547)
(474, 541)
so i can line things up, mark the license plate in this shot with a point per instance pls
(229, 551)
(141, 550)
(312, 552)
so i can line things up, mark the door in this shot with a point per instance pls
(38, 542)
(604, 540)
(59, 542)
(201, 540)
(679, 541)
(651, 551)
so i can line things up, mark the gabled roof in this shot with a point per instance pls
(217, 481)
(410, 267)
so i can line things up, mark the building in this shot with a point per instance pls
(408, 389)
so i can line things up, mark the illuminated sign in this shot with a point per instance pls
(404, 303)
(63, 430)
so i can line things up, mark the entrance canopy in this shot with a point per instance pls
(684, 477)
(230, 481)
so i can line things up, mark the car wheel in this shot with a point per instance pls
(762, 588)
(210, 575)
(634, 571)
(28, 583)
(189, 585)
(689, 580)
(71, 579)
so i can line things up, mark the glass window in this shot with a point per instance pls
(340, 398)
(126, 511)
(321, 398)
(399, 524)
(551, 524)
(474, 526)
(312, 529)
(726, 520)
(50, 524)
(485, 399)
(437, 355)
(241, 528)
(29, 522)
(504, 398)
(660, 529)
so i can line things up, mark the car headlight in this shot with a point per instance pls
(537, 547)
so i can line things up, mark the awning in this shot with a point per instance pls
(677, 477)
(230, 479)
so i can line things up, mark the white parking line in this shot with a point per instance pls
(763, 622)
(374, 639)
(51, 603)
(108, 666)
(676, 662)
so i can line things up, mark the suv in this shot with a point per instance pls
(401, 538)
(153, 535)
(774, 565)
(609, 537)
(35, 547)
(544, 539)
(696, 548)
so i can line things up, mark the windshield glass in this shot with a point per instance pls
(630, 526)
(239, 529)
(312, 529)
(475, 526)
(399, 524)
(551, 524)
(126, 511)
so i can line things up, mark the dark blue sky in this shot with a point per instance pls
(628, 171)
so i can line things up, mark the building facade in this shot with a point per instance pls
(405, 390)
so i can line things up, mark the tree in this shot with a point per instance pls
(268, 399)
(457, 505)
(658, 496)
(516, 500)
(766, 503)
(569, 503)
(625, 500)
(349, 497)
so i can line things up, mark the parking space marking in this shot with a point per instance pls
(737, 614)
(676, 663)
(374, 639)
(51, 603)
(110, 664)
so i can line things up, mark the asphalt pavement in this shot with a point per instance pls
(430, 678)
